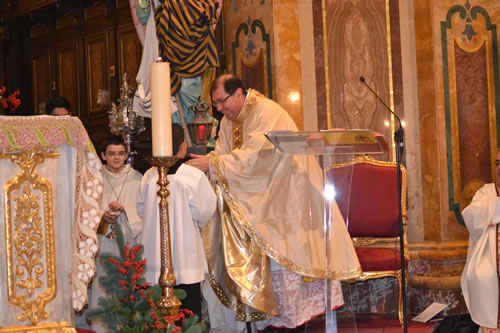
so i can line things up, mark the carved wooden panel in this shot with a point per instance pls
(95, 11)
(65, 21)
(26, 6)
(122, 4)
(98, 77)
(129, 53)
(69, 75)
(41, 78)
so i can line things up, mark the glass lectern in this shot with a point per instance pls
(317, 153)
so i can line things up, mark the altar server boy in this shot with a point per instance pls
(191, 204)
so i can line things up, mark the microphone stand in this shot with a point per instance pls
(399, 141)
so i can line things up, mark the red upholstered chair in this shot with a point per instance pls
(371, 215)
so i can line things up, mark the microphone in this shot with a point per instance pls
(398, 140)
(398, 134)
(362, 79)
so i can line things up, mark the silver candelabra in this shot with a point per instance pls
(123, 120)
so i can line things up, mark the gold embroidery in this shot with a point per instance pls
(270, 251)
(29, 239)
(237, 125)
(239, 308)
(62, 327)
(237, 135)
(43, 133)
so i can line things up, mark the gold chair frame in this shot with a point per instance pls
(384, 242)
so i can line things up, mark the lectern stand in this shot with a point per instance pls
(51, 186)
(330, 148)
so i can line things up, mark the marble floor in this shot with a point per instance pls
(375, 323)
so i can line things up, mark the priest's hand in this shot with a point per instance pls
(198, 161)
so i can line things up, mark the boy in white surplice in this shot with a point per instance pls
(191, 204)
(121, 185)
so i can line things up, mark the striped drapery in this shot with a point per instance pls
(186, 38)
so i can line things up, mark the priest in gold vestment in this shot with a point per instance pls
(271, 216)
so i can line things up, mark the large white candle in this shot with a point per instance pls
(161, 117)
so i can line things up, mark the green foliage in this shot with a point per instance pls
(130, 305)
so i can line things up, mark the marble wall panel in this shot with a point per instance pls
(320, 69)
(475, 167)
(455, 88)
(359, 42)
(287, 63)
(263, 48)
(248, 32)
(464, 34)
(430, 161)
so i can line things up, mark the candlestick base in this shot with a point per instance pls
(168, 304)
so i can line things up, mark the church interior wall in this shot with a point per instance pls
(308, 55)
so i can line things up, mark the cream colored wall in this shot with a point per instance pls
(308, 74)
(288, 58)
(411, 107)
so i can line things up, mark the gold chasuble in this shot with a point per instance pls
(270, 205)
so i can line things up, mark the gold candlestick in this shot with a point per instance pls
(168, 304)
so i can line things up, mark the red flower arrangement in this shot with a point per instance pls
(131, 305)
(9, 104)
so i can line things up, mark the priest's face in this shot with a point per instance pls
(115, 156)
(497, 169)
(228, 104)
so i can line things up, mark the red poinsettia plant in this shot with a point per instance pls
(8, 103)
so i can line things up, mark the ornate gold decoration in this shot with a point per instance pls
(62, 327)
(168, 304)
(237, 135)
(308, 279)
(239, 308)
(27, 235)
(266, 248)
(253, 98)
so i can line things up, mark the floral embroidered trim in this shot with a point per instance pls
(88, 193)
(29, 133)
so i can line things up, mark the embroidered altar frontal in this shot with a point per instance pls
(51, 186)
